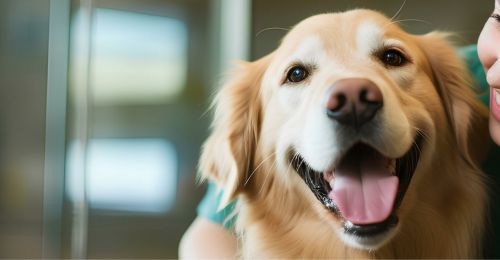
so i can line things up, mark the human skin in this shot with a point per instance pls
(488, 48)
(207, 240)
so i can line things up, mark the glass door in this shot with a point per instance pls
(138, 87)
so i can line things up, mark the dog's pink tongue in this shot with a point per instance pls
(364, 189)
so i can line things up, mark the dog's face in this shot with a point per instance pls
(345, 118)
(346, 115)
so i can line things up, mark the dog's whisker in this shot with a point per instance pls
(406, 20)
(414, 157)
(409, 165)
(258, 166)
(414, 20)
(297, 156)
(422, 133)
(267, 173)
(399, 10)
(418, 147)
(270, 29)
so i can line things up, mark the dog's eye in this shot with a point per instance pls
(297, 74)
(393, 58)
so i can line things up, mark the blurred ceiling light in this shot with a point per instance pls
(136, 58)
(130, 175)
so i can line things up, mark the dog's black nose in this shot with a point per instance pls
(353, 101)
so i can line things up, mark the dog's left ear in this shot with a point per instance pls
(228, 153)
(466, 115)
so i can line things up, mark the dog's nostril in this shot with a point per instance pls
(367, 96)
(364, 95)
(339, 102)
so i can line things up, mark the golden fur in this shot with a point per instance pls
(443, 212)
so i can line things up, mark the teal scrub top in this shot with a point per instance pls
(208, 206)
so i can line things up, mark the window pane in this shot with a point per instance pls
(136, 58)
(135, 175)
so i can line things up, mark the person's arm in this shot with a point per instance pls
(211, 233)
(207, 239)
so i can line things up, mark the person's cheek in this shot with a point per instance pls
(489, 54)
(486, 46)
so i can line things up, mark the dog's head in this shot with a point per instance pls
(345, 119)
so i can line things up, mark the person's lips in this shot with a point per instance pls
(495, 103)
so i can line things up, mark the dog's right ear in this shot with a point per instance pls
(228, 153)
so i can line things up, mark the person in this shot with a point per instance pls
(211, 234)
(488, 48)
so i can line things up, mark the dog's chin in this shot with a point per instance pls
(369, 243)
(361, 233)
(353, 237)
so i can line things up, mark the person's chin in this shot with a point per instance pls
(495, 115)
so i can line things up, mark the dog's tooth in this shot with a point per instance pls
(497, 96)
(392, 166)
(328, 176)
(331, 181)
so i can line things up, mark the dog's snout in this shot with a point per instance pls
(353, 102)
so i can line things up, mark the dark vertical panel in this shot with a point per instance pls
(23, 81)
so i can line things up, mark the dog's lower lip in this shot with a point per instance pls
(371, 230)
(319, 185)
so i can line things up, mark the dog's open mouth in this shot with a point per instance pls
(365, 188)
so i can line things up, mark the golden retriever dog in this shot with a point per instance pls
(352, 139)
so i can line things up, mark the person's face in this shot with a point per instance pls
(489, 53)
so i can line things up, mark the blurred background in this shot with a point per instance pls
(102, 110)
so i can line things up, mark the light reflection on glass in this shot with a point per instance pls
(136, 58)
